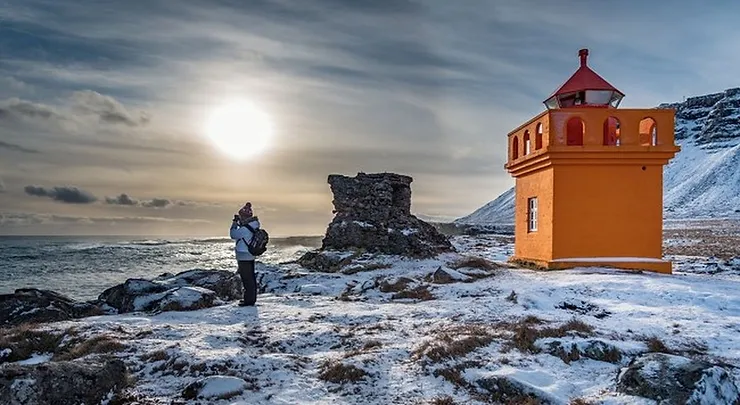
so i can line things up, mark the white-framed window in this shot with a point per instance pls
(532, 214)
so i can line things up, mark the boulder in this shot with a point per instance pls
(671, 379)
(193, 289)
(593, 349)
(226, 284)
(63, 382)
(448, 276)
(505, 389)
(34, 305)
(215, 387)
(373, 214)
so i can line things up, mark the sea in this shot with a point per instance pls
(83, 267)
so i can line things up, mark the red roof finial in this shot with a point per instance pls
(583, 54)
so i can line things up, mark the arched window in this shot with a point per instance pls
(515, 148)
(648, 132)
(611, 131)
(538, 137)
(527, 143)
(574, 131)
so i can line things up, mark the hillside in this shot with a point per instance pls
(702, 181)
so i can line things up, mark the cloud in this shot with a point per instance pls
(122, 199)
(80, 105)
(16, 148)
(26, 218)
(156, 203)
(2, 185)
(65, 194)
(15, 108)
(106, 108)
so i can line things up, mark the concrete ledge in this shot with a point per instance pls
(627, 263)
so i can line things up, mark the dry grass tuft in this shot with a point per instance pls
(24, 340)
(475, 262)
(96, 345)
(580, 401)
(421, 293)
(525, 335)
(157, 355)
(655, 345)
(340, 373)
(454, 344)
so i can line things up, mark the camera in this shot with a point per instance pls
(236, 218)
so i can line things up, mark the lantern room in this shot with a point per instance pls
(589, 179)
(585, 88)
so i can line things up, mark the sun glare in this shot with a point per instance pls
(240, 129)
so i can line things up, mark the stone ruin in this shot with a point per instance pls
(373, 213)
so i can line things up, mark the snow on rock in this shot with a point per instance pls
(34, 305)
(193, 289)
(215, 387)
(446, 276)
(63, 382)
(677, 380)
(313, 289)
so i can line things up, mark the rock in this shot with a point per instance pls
(33, 305)
(61, 382)
(193, 289)
(328, 261)
(583, 308)
(226, 284)
(593, 349)
(215, 387)
(506, 390)
(448, 276)
(373, 213)
(671, 379)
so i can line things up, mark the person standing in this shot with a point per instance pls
(243, 229)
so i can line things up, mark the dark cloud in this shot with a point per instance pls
(156, 203)
(69, 195)
(2, 185)
(108, 109)
(375, 6)
(16, 148)
(16, 108)
(8, 219)
(122, 199)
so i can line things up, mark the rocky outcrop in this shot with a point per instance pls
(373, 213)
(195, 289)
(671, 379)
(61, 382)
(33, 305)
(504, 389)
(709, 118)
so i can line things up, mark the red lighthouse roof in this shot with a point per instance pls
(585, 88)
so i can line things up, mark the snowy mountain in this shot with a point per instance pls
(703, 180)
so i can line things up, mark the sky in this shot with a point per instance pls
(104, 104)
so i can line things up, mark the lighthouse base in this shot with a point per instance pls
(627, 263)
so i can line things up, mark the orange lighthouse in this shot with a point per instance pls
(589, 179)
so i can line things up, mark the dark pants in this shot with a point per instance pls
(249, 281)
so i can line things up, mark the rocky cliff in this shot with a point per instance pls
(702, 181)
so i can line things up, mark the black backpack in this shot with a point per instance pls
(258, 244)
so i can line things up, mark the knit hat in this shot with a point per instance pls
(246, 211)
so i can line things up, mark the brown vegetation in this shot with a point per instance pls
(454, 343)
(525, 334)
(442, 400)
(421, 293)
(475, 262)
(340, 373)
(100, 344)
(656, 345)
(25, 340)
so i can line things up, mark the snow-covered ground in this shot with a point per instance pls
(319, 338)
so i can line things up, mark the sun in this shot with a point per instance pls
(240, 129)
